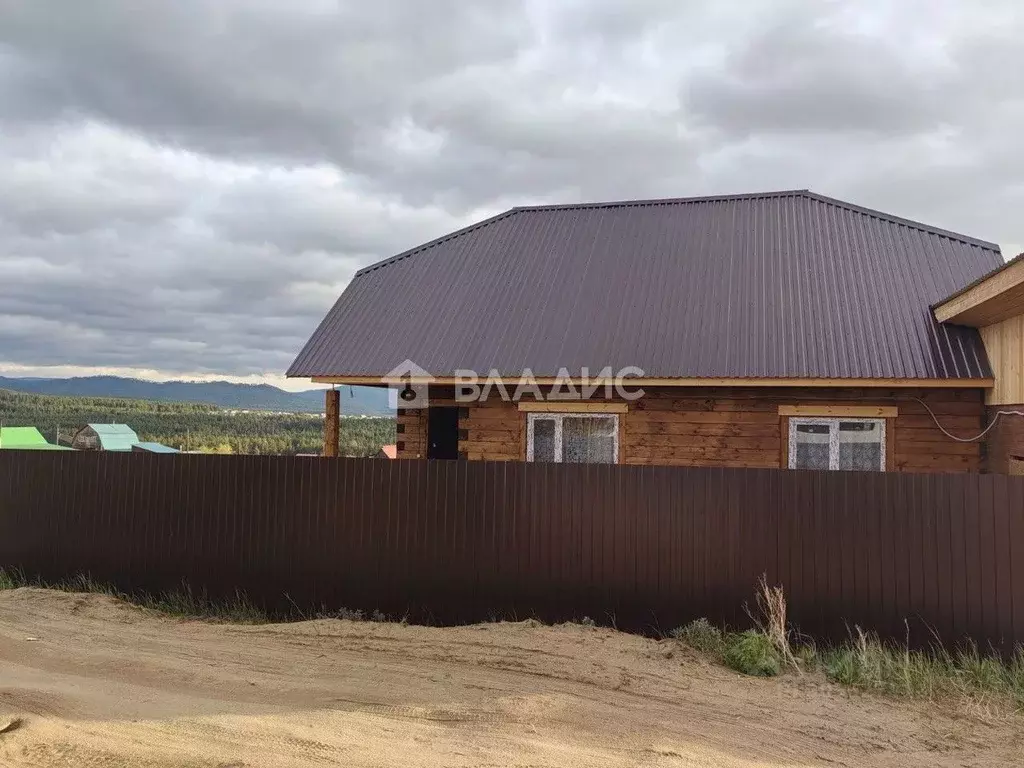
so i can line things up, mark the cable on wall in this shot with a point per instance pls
(868, 398)
(985, 431)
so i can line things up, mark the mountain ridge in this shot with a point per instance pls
(356, 401)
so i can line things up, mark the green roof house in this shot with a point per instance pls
(105, 437)
(26, 439)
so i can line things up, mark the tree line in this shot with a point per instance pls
(193, 426)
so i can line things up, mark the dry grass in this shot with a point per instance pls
(967, 674)
(770, 620)
(703, 636)
(11, 579)
(979, 682)
(183, 602)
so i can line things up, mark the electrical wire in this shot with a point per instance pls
(867, 398)
(985, 431)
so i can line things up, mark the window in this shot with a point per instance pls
(837, 444)
(573, 437)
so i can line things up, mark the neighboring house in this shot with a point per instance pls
(153, 448)
(784, 329)
(105, 437)
(26, 439)
(387, 452)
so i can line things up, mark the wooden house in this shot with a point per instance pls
(105, 437)
(783, 329)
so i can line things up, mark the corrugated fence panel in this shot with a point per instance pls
(647, 548)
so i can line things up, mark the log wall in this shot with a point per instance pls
(1004, 445)
(729, 427)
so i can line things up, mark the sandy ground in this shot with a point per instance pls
(98, 683)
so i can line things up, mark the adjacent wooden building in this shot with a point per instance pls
(994, 304)
(782, 329)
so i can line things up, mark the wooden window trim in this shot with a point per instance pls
(890, 445)
(841, 411)
(573, 407)
(784, 443)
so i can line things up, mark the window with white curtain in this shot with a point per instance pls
(837, 443)
(573, 437)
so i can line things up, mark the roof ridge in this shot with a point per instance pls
(665, 201)
(437, 241)
(571, 206)
(662, 201)
(874, 213)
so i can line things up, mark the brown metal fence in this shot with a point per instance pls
(647, 547)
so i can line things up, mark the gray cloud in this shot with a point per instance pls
(188, 185)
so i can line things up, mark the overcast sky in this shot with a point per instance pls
(187, 185)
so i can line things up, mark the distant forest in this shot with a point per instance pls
(192, 426)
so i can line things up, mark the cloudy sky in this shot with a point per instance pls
(187, 185)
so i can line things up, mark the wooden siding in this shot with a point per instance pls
(743, 428)
(494, 431)
(411, 440)
(1004, 343)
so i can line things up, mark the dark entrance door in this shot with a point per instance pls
(442, 432)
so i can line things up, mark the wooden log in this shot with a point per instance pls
(332, 425)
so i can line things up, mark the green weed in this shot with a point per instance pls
(752, 653)
(11, 578)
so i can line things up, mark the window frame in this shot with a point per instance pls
(832, 422)
(558, 417)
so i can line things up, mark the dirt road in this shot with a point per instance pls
(99, 683)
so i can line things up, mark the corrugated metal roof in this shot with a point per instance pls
(153, 448)
(115, 437)
(783, 284)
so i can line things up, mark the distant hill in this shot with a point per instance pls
(360, 401)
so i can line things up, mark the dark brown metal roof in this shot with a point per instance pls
(775, 285)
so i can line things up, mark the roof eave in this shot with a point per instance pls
(991, 298)
(363, 379)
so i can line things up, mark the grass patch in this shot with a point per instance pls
(11, 579)
(869, 663)
(752, 653)
(967, 675)
(185, 603)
